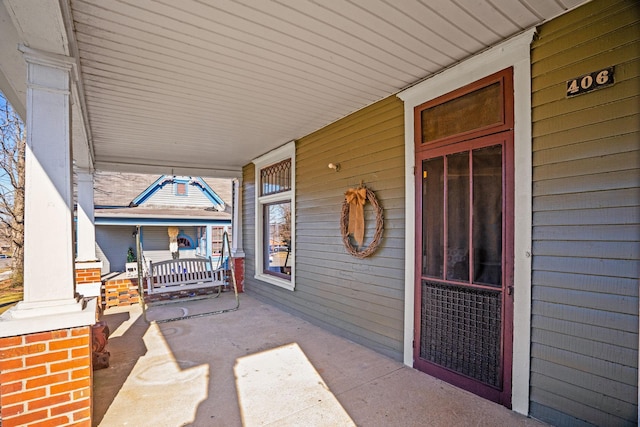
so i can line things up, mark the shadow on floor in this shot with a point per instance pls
(125, 346)
(207, 371)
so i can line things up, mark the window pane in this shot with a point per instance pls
(217, 241)
(475, 110)
(277, 239)
(458, 216)
(432, 217)
(487, 215)
(275, 178)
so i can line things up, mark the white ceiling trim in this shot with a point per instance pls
(203, 84)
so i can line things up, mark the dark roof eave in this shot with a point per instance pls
(121, 220)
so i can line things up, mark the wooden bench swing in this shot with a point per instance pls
(189, 279)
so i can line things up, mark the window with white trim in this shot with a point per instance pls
(275, 211)
(217, 234)
(180, 188)
(184, 241)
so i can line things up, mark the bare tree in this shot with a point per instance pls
(13, 141)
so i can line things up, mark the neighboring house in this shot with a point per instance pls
(199, 208)
(5, 240)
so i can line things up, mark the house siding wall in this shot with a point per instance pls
(166, 197)
(112, 242)
(586, 198)
(155, 243)
(361, 299)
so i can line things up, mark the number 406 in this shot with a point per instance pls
(590, 81)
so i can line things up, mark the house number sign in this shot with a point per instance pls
(588, 82)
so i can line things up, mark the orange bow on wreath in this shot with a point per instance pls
(356, 197)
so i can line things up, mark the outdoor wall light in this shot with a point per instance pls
(335, 166)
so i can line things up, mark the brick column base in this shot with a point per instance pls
(120, 291)
(238, 265)
(88, 279)
(87, 275)
(46, 376)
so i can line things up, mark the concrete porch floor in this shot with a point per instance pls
(260, 366)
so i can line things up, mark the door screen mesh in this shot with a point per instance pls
(460, 330)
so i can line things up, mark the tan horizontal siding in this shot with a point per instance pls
(595, 333)
(587, 200)
(589, 132)
(619, 143)
(581, 298)
(586, 244)
(248, 223)
(601, 250)
(360, 299)
(602, 113)
(627, 82)
(614, 215)
(586, 402)
(588, 283)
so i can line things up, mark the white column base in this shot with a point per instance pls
(237, 253)
(25, 309)
(89, 289)
(88, 264)
(27, 318)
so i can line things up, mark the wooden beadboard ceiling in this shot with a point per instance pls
(214, 83)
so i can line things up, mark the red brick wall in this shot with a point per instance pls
(46, 378)
(87, 275)
(238, 264)
(121, 292)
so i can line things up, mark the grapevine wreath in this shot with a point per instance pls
(352, 221)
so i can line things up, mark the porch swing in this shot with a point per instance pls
(185, 280)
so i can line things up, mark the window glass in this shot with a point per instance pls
(184, 241)
(458, 216)
(181, 188)
(462, 216)
(275, 217)
(476, 110)
(487, 215)
(433, 217)
(216, 239)
(278, 238)
(276, 178)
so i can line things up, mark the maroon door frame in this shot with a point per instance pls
(495, 135)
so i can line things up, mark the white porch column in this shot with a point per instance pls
(208, 234)
(88, 267)
(86, 231)
(237, 250)
(48, 243)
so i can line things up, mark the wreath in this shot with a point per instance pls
(352, 208)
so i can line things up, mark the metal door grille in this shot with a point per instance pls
(460, 330)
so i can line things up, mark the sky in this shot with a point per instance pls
(4, 181)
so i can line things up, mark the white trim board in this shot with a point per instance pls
(515, 53)
(286, 151)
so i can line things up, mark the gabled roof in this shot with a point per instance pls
(129, 198)
(197, 182)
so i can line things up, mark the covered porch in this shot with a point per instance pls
(231, 90)
(262, 366)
